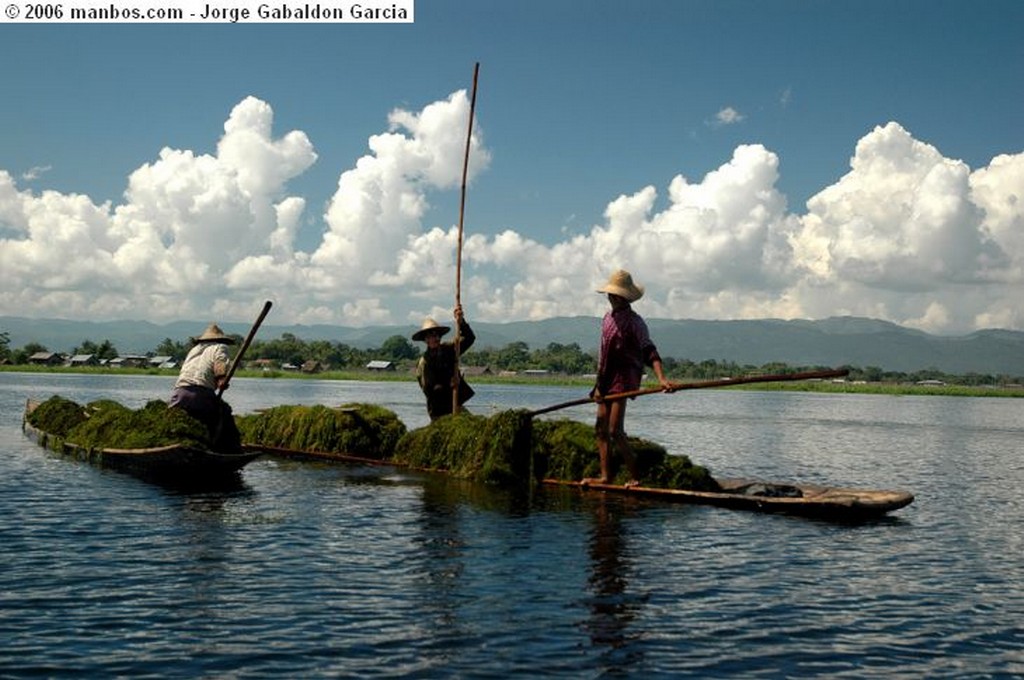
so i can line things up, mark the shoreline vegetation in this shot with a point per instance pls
(584, 382)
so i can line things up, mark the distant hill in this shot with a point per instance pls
(834, 341)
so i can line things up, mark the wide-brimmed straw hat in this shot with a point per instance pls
(429, 326)
(213, 333)
(621, 283)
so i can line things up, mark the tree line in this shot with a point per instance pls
(516, 357)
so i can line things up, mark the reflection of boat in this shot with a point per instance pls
(176, 463)
(808, 500)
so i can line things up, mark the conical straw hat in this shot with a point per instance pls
(213, 333)
(621, 283)
(429, 326)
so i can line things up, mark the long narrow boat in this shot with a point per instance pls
(174, 464)
(807, 500)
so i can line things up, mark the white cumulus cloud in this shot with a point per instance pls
(907, 235)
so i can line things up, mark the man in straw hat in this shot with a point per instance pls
(203, 375)
(436, 368)
(625, 348)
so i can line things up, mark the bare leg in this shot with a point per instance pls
(603, 436)
(622, 444)
(617, 431)
(611, 435)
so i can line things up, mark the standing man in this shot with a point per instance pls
(203, 374)
(436, 369)
(625, 348)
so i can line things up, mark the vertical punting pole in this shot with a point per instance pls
(458, 259)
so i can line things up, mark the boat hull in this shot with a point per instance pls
(824, 502)
(178, 464)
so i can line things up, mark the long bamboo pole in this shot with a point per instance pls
(245, 345)
(458, 260)
(724, 382)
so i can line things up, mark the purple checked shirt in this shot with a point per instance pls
(625, 347)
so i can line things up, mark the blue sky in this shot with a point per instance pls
(758, 106)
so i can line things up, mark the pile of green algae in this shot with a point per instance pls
(106, 424)
(508, 448)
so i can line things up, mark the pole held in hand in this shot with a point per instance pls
(458, 258)
(675, 387)
(245, 345)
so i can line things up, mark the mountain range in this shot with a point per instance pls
(835, 341)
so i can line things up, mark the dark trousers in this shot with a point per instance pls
(207, 407)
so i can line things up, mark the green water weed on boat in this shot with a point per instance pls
(155, 442)
(513, 449)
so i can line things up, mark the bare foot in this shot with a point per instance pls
(587, 481)
(632, 484)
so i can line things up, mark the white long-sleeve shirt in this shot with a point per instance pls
(204, 363)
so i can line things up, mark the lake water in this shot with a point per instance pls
(315, 570)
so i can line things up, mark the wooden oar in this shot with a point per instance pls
(458, 259)
(245, 345)
(724, 382)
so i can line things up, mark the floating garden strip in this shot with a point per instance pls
(510, 448)
(105, 424)
(357, 429)
(493, 450)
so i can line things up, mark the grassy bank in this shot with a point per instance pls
(583, 383)
(889, 388)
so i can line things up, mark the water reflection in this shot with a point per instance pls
(215, 486)
(442, 545)
(613, 607)
(205, 521)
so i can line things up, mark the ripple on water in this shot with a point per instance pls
(312, 570)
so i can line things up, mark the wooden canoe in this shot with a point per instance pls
(177, 464)
(807, 500)
(326, 456)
